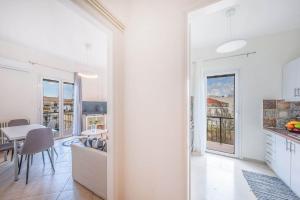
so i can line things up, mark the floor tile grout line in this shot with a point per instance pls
(58, 195)
(61, 191)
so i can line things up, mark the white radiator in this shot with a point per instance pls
(2, 125)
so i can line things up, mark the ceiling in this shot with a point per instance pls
(209, 26)
(52, 26)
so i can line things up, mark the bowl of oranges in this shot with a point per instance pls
(293, 126)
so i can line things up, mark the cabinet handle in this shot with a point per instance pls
(296, 92)
(293, 149)
(287, 145)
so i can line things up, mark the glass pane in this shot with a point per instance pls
(51, 105)
(68, 108)
(220, 113)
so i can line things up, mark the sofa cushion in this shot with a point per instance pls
(95, 143)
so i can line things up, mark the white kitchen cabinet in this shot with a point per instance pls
(295, 167)
(283, 159)
(283, 156)
(291, 81)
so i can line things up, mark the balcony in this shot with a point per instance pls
(220, 134)
(51, 120)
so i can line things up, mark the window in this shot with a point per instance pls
(51, 104)
(58, 103)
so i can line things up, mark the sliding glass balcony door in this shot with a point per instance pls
(58, 107)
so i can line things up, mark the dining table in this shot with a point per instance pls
(17, 133)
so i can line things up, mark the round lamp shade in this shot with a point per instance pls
(88, 75)
(231, 46)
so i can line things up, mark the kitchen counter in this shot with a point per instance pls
(285, 133)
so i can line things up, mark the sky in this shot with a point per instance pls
(51, 89)
(220, 86)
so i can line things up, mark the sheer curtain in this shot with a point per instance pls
(77, 105)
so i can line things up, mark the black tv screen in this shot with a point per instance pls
(94, 107)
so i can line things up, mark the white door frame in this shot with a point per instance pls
(110, 119)
(197, 5)
(237, 145)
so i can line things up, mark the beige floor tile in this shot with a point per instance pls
(216, 177)
(43, 197)
(77, 194)
(71, 185)
(43, 183)
(95, 197)
(47, 185)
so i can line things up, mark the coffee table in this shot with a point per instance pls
(96, 133)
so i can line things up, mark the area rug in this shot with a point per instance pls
(268, 187)
(69, 142)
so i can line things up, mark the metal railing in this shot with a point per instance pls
(51, 120)
(220, 129)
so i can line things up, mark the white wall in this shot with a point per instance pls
(153, 137)
(21, 90)
(260, 78)
(95, 89)
(150, 90)
(150, 99)
(20, 94)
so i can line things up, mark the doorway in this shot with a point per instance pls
(220, 113)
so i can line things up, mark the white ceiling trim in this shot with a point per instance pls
(107, 14)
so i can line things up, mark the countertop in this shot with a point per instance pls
(285, 133)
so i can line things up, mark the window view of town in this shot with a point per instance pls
(220, 113)
(51, 107)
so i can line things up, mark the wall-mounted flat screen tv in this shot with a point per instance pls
(94, 107)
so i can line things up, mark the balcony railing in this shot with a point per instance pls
(220, 129)
(51, 120)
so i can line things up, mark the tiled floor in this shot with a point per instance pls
(217, 146)
(216, 177)
(43, 183)
(213, 178)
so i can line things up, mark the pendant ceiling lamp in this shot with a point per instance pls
(88, 75)
(232, 44)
